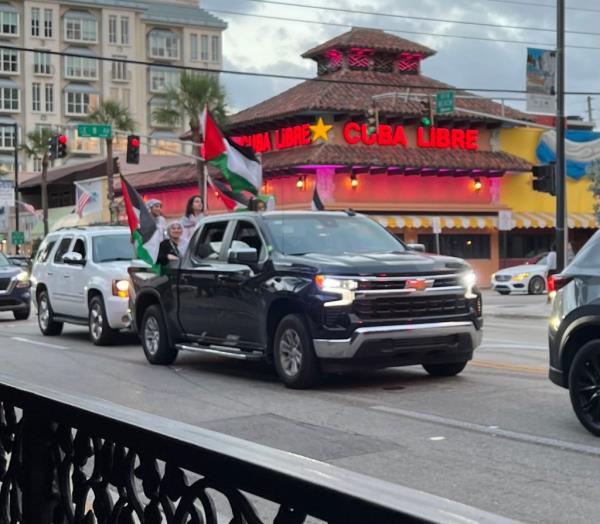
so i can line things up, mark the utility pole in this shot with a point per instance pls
(589, 109)
(561, 186)
(16, 135)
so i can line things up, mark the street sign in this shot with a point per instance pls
(444, 102)
(436, 224)
(94, 131)
(7, 193)
(17, 238)
(505, 220)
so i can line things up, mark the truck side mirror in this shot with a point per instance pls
(245, 255)
(420, 248)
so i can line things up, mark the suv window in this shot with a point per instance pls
(44, 251)
(79, 247)
(246, 235)
(63, 248)
(209, 242)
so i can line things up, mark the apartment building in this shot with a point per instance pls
(38, 89)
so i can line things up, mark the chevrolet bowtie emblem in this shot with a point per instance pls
(417, 284)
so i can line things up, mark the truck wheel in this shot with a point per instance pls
(293, 353)
(584, 386)
(48, 326)
(536, 286)
(155, 340)
(22, 314)
(101, 334)
(445, 370)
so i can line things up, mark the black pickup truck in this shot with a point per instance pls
(310, 292)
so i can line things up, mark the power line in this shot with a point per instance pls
(421, 18)
(276, 75)
(443, 35)
(547, 6)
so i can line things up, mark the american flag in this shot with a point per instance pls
(30, 209)
(83, 198)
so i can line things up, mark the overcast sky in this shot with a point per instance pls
(274, 46)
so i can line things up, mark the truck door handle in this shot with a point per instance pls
(66, 276)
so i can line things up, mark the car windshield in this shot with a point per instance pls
(111, 248)
(586, 261)
(330, 234)
(4, 262)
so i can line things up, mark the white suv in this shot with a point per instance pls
(80, 276)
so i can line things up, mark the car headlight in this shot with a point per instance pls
(120, 288)
(520, 277)
(341, 286)
(23, 279)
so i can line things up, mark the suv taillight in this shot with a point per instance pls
(556, 282)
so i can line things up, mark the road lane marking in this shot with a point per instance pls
(492, 431)
(502, 366)
(35, 342)
(435, 439)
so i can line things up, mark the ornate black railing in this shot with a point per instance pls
(65, 459)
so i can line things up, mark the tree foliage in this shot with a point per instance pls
(114, 114)
(37, 143)
(594, 173)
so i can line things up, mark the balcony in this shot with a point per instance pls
(78, 456)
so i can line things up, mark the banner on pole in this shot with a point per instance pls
(541, 81)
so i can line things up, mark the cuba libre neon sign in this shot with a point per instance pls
(284, 138)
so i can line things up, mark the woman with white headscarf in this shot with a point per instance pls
(174, 247)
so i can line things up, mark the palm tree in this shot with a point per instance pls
(37, 147)
(112, 113)
(195, 91)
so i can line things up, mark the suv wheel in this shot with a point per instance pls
(48, 326)
(536, 286)
(445, 370)
(294, 356)
(101, 334)
(155, 340)
(22, 314)
(584, 386)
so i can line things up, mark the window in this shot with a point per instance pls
(162, 79)
(165, 147)
(9, 61)
(215, 48)
(107, 248)
(476, 246)
(42, 63)
(9, 99)
(210, 240)
(112, 29)
(204, 48)
(164, 44)
(81, 68)
(9, 22)
(7, 137)
(81, 27)
(36, 97)
(79, 103)
(49, 92)
(35, 21)
(119, 70)
(526, 245)
(44, 252)
(62, 249)
(247, 236)
(48, 27)
(126, 98)
(79, 247)
(125, 30)
(194, 47)
(85, 146)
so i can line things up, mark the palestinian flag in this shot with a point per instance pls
(144, 232)
(233, 201)
(238, 164)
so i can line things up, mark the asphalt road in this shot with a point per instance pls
(499, 437)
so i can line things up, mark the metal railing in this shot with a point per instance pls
(67, 459)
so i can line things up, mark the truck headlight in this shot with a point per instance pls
(23, 279)
(120, 288)
(469, 279)
(341, 286)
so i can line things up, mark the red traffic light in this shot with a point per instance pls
(134, 142)
(62, 139)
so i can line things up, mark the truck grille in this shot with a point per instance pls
(4, 283)
(419, 308)
(386, 283)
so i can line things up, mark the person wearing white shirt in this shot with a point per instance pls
(194, 212)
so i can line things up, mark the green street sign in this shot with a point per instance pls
(444, 102)
(94, 131)
(17, 238)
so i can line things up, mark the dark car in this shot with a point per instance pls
(21, 261)
(309, 292)
(574, 335)
(15, 289)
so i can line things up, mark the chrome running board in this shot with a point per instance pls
(222, 351)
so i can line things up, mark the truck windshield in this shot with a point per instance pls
(111, 248)
(331, 235)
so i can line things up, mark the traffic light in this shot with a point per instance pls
(544, 179)
(53, 147)
(133, 149)
(62, 145)
(372, 121)
(427, 118)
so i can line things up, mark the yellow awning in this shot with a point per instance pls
(446, 221)
(547, 220)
